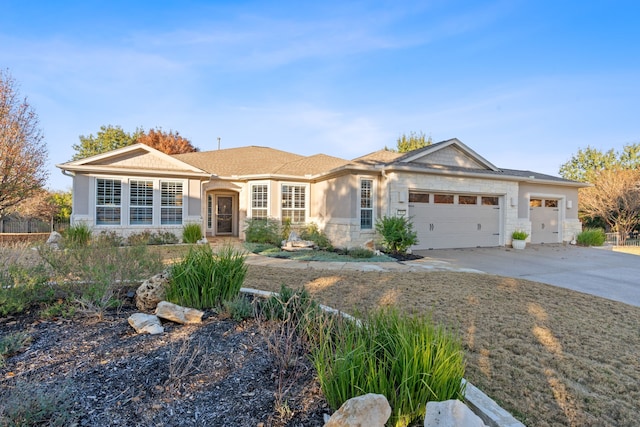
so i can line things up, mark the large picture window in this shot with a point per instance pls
(259, 201)
(294, 203)
(140, 202)
(170, 202)
(108, 201)
(366, 204)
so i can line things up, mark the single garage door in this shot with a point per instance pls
(545, 225)
(455, 220)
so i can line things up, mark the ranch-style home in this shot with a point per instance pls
(455, 197)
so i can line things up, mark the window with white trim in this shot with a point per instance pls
(259, 201)
(108, 201)
(140, 202)
(170, 202)
(294, 203)
(366, 204)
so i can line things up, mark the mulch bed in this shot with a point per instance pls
(218, 373)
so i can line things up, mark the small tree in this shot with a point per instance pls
(614, 197)
(169, 143)
(397, 234)
(413, 141)
(23, 153)
(108, 138)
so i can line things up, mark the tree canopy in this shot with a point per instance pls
(591, 160)
(23, 153)
(112, 137)
(169, 143)
(413, 141)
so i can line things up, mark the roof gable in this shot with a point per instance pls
(450, 153)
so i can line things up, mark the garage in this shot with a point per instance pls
(544, 215)
(447, 220)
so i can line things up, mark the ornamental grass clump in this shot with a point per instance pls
(407, 359)
(191, 233)
(205, 279)
(591, 237)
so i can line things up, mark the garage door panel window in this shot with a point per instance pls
(535, 203)
(550, 203)
(468, 200)
(445, 199)
(419, 197)
(490, 201)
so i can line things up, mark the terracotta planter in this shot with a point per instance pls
(518, 244)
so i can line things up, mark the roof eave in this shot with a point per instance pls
(104, 170)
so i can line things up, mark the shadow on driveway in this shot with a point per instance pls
(596, 271)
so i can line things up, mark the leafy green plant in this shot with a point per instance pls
(519, 235)
(405, 358)
(21, 287)
(397, 233)
(77, 235)
(289, 304)
(360, 253)
(263, 231)
(204, 279)
(59, 309)
(33, 404)
(591, 237)
(286, 228)
(148, 237)
(239, 308)
(312, 232)
(191, 232)
(11, 344)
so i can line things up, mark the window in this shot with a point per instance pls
(490, 201)
(418, 197)
(209, 210)
(446, 199)
(140, 202)
(293, 203)
(467, 200)
(535, 203)
(108, 201)
(170, 203)
(366, 204)
(259, 201)
(550, 203)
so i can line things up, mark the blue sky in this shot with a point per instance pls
(523, 83)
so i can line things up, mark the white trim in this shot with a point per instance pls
(306, 198)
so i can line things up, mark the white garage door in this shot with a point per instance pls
(545, 225)
(455, 220)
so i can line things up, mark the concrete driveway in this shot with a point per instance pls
(596, 271)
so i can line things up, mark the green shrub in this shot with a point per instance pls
(407, 359)
(59, 309)
(35, 404)
(11, 344)
(191, 232)
(239, 308)
(77, 235)
(312, 233)
(289, 304)
(21, 287)
(591, 237)
(286, 228)
(519, 235)
(360, 253)
(205, 279)
(397, 233)
(263, 231)
(109, 238)
(147, 237)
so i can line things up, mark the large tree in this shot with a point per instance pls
(169, 143)
(108, 138)
(413, 141)
(23, 153)
(614, 197)
(585, 162)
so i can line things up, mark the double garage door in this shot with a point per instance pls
(455, 220)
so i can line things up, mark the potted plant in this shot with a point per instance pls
(518, 239)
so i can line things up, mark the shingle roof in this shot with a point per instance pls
(378, 157)
(255, 160)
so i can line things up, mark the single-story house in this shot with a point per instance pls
(455, 197)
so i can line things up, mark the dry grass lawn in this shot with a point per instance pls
(550, 356)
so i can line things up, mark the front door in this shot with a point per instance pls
(224, 215)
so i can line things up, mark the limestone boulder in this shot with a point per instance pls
(451, 413)
(370, 410)
(178, 314)
(152, 291)
(146, 323)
